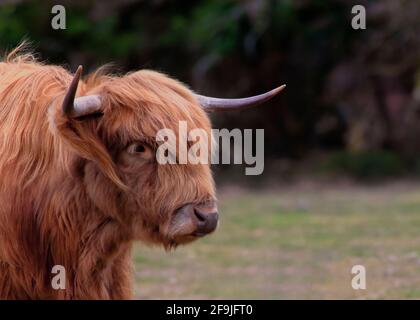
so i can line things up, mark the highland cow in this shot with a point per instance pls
(79, 178)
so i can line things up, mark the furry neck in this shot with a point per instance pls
(92, 247)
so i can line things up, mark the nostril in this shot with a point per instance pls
(206, 222)
(200, 216)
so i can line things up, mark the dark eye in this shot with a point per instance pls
(139, 149)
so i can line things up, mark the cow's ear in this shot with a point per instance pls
(82, 106)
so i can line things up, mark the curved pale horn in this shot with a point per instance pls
(217, 104)
(82, 106)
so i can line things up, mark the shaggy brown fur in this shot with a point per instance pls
(71, 195)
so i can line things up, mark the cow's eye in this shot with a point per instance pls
(139, 149)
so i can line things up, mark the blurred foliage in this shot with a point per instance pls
(356, 90)
(373, 164)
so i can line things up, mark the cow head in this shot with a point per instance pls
(112, 126)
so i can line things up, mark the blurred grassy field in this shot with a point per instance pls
(298, 242)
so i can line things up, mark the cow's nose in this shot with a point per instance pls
(206, 218)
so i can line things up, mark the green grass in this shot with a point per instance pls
(299, 242)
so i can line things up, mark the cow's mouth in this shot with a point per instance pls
(199, 234)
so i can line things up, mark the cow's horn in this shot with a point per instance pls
(81, 106)
(217, 104)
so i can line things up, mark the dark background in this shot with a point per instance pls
(352, 99)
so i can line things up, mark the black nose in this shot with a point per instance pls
(206, 219)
